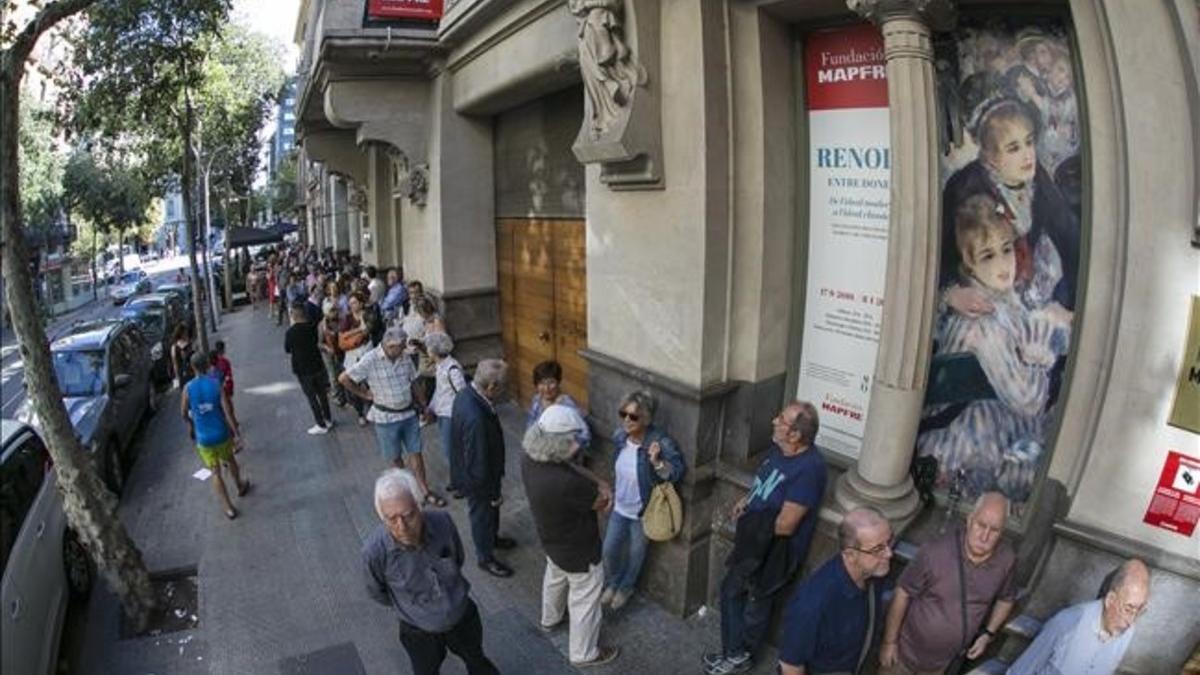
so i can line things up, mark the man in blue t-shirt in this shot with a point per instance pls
(206, 408)
(789, 484)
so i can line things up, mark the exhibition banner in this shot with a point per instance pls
(849, 171)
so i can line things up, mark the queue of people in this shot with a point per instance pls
(383, 348)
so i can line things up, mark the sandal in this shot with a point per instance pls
(243, 489)
(435, 500)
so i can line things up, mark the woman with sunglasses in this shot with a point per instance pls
(645, 456)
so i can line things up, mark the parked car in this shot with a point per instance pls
(43, 561)
(133, 282)
(176, 311)
(157, 327)
(184, 291)
(103, 370)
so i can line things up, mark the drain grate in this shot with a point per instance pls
(178, 595)
(339, 659)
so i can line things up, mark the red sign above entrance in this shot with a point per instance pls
(1176, 502)
(424, 10)
(844, 68)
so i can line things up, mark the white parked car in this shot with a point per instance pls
(43, 561)
(133, 282)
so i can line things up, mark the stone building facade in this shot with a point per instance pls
(624, 186)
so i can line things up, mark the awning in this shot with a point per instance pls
(251, 236)
(284, 228)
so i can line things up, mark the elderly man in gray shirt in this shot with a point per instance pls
(413, 564)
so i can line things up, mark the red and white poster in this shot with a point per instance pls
(1176, 502)
(849, 173)
(421, 10)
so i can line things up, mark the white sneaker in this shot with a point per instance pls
(317, 429)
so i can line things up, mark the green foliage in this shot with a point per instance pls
(42, 162)
(109, 191)
(135, 62)
(242, 78)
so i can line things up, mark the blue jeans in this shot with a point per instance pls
(397, 439)
(744, 619)
(624, 552)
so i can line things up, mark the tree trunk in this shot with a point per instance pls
(95, 290)
(189, 216)
(208, 274)
(90, 508)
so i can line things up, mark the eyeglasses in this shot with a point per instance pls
(626, 415)
(877, 550)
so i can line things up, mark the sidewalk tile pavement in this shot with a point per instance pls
(281, 588)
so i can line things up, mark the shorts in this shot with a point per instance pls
(397, 439)
(210, 455)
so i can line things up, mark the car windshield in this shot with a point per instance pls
(151, 323)
(131, 277)
(80, 373)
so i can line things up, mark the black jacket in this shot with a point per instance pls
(477, 445)
(763, 559)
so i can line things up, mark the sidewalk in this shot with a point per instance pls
(281, 587)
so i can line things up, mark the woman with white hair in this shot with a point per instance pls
(449, 380)
(564, 501)
(645, 456)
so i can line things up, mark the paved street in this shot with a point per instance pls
(281, 587)
(12, 372)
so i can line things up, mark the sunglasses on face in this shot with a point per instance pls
(626, 415)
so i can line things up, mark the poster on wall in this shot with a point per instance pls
(849, 169)
(1009, 270)
(1175, 505)
(1185, 412)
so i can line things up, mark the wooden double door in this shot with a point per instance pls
(543, 300)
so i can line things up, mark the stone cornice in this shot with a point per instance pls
(939, 15)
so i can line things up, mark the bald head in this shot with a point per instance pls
(985, 525)
(1127, 596)
(855, 522)
(1133, 573)
(993, 503)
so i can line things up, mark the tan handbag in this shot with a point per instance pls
(663, 517)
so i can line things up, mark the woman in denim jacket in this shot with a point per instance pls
(644, 457)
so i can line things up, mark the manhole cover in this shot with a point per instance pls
(177, 594)
(339, 659)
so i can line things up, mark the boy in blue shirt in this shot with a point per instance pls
(206, 408)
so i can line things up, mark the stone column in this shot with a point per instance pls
(881, 477)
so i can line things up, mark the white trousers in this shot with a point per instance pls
(579, 595)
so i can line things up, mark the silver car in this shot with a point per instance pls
(44, 563)
(133, 282)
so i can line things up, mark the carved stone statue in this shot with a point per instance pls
(610, 73)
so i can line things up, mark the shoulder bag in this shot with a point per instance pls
(662, 518)
(960, 659)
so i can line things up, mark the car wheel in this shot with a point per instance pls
(114, 469)
(78, 566)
